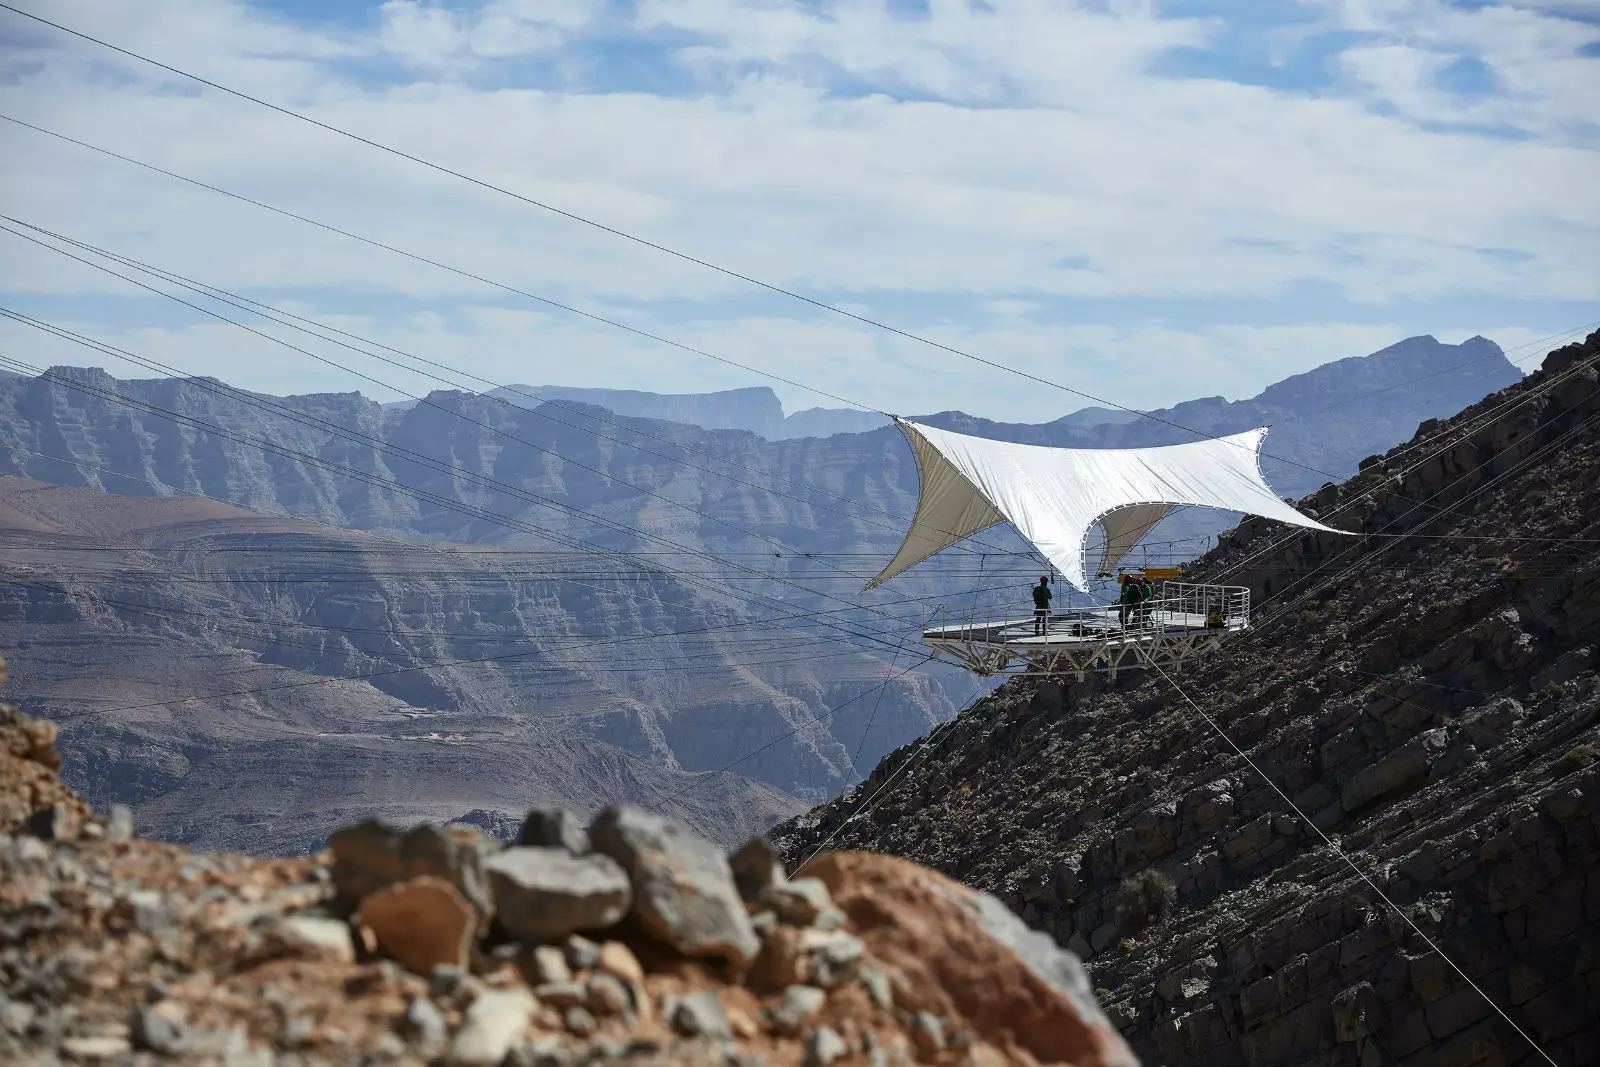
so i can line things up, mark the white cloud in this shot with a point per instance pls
(984, 178)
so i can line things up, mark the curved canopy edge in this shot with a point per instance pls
(1054, 495)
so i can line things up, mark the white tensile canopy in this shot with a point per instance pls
(1053, 496)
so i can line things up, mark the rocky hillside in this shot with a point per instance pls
(1425, 695)
(630, 942)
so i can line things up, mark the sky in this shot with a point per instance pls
(1145, 201)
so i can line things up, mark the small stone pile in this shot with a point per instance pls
(630, 941)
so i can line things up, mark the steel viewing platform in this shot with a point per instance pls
(1184, 620)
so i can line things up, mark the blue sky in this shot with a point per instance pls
(1149, 201)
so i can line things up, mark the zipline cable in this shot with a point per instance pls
(312, 327)
(446, 502)
(1335, 850)
(610, 322)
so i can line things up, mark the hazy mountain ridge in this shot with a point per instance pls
(247, 681)
(756, 409)
(471, 469)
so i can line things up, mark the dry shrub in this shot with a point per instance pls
(1143, 900)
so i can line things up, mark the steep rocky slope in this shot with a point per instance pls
(251, 682)
(1428, 701)
(438, 945)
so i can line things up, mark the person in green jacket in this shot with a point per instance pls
(1147, 597)
(1041, 606)
(1128, 601)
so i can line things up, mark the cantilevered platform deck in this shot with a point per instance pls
(1185, 620)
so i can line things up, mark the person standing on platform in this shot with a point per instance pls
(1128, 600)
(1041, 607)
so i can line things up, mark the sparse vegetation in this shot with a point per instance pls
(1578, 757)
(1144, 899)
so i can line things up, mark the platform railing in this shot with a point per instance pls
(1177, 607)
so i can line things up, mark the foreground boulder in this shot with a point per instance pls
(684, 893)
(967, 960)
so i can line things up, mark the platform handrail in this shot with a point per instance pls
(1222, 607)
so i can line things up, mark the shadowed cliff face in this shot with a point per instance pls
(1429, 702)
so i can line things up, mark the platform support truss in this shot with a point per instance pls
(1185, 620)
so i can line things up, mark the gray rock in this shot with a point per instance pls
(755, 867)
(927, 1033)
(366, 858)
(16, 1015)
(546, 1051)
(878, 987)
(457, 858)
(579, 1021)
(549, 964)
(562, 994)
(608, 995)
(446, 980)
(1405, 766)
(119, 823)
(154, 1031)
(823, 1047)
(581, 952)
(835, 956)
(493, 1023)
(800, 1003)
(701, 1015)
(546, 893)
(553, 828)
(683, 890)
(372, 855)
(423, 1023)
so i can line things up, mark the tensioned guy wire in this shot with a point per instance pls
(1334, 848)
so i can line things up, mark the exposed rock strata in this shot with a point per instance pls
(1428, 702)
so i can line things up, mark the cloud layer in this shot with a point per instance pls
(1150, 205)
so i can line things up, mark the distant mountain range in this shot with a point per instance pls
(250, 682)
(756, 409)
(751, 528)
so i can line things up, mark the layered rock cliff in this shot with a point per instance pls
(1417, 722)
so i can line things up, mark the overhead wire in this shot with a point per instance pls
(1334, 849)
(1465, 433)
(1455, 434)
(269, 207)
(443, 501)
(616, 232)
(866, 805)
(379, 443)
(776, 289)
(321, 331)
(1390, 546)
(574, 310)
(456, 413)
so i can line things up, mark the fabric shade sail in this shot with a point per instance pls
(1053, 496)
